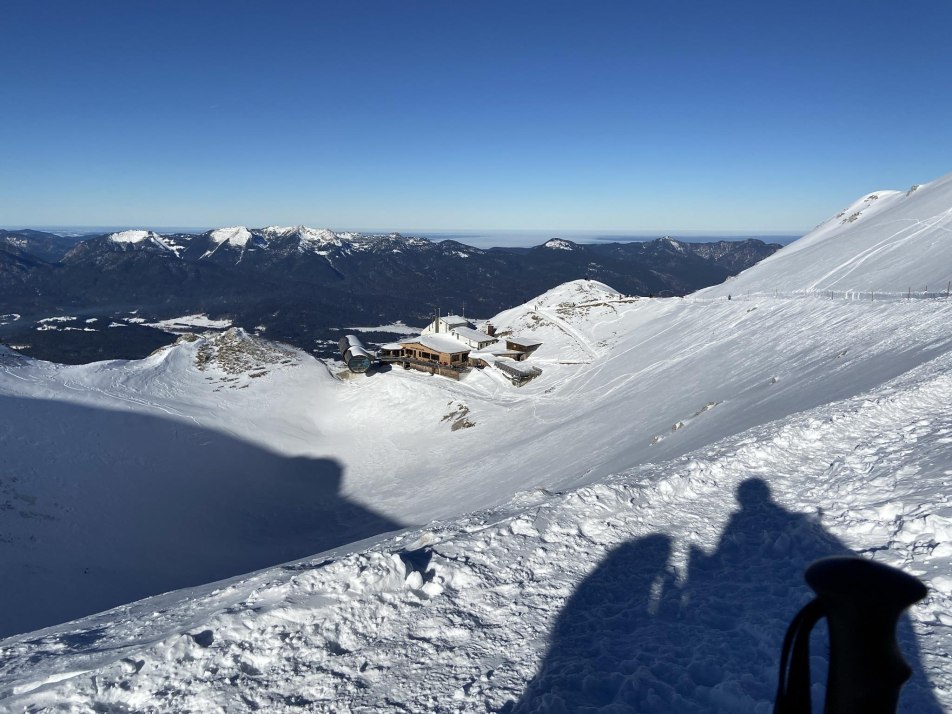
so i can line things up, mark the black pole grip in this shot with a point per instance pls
(863, 601)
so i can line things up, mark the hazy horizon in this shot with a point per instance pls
(490, 238)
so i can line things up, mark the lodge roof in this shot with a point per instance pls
(453, 320)
(523, 341)
(517, 369)
(439, 343)
(471, 334)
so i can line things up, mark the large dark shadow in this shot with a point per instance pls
(99, 508)
(631, 639)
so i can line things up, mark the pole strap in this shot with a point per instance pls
(793, 685)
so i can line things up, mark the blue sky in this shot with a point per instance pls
(665, 117)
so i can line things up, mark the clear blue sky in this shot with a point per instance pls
(632, 116)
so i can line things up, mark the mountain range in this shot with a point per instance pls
(300, 284)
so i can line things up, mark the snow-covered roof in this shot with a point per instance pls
(495, 350)
(523, 341)
(471, 334)
(521, 369)
(453, 320)
(440, 343)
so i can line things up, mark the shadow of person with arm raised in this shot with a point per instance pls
(709, 644)
(602, 641)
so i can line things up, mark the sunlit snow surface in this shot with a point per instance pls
(887, 242)
(638, 517)
(190, 322)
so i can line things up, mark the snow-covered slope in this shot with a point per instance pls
(627, 530)
(237, 236)
(885, 242)
(149, 240)
(682, 400)
(705, 549)
(136, 236)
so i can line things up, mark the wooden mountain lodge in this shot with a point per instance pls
(451, 345)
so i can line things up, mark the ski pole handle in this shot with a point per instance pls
(863, 601)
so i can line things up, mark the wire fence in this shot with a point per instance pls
(909, 294)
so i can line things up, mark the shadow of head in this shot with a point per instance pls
(753, 492)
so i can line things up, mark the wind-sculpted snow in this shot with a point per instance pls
(690, 454)
(886, 244)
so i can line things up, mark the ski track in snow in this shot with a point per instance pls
(570, 331)
(890, 243)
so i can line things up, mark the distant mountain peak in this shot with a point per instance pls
(236, 235)
(560, 244)
(149, 240)
(136, 236)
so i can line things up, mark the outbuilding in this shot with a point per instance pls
(446, 324)
(473, 338)
(522, 344)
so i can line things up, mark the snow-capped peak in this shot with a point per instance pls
(236, 236)
(139, 237)
(134, 236)
(308, 238)
(317, 235)
(559, 244)
(673, 243)
(306, 232)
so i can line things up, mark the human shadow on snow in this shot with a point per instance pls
(633, 639)
(99, 508)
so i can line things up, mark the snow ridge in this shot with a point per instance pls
(889, 242)
(139, 237)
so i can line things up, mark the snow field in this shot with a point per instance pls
(691, 589)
